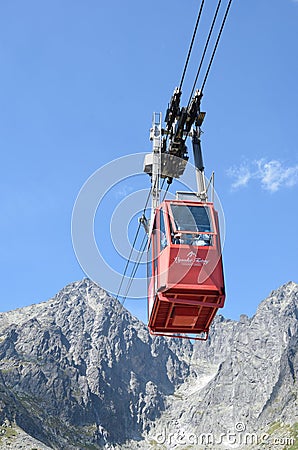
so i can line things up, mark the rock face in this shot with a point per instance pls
(254, 383)
(79, 369)
(80, 372)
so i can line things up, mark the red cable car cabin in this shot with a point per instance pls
(185, 273)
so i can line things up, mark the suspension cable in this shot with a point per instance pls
(128, 261)
(191, 44)
(216, 44)
(205, 50)
(166, 191)
(141, 252)
(132, 247)
(135, 267)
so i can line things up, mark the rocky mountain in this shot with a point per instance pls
(80, 372)
(253, 385)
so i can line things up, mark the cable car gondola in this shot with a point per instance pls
(185, 274)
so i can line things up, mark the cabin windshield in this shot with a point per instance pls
(192, 218)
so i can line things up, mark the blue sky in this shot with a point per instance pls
(79, 82)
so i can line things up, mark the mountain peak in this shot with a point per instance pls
(283, 300)
(79, 371)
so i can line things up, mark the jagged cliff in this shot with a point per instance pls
(81, 369)
(253, 383)
(80, 372)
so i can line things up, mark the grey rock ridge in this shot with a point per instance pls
(80, 372)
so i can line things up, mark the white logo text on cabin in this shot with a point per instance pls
(191, 260)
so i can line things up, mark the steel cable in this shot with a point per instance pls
(132, 248)
(135, 267)
(204, 51)
(166, 191)
(216, 44)
(191, 44)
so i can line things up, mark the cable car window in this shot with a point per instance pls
(192, 218)
(163, 237)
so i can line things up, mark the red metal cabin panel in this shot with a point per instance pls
(185, 277)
